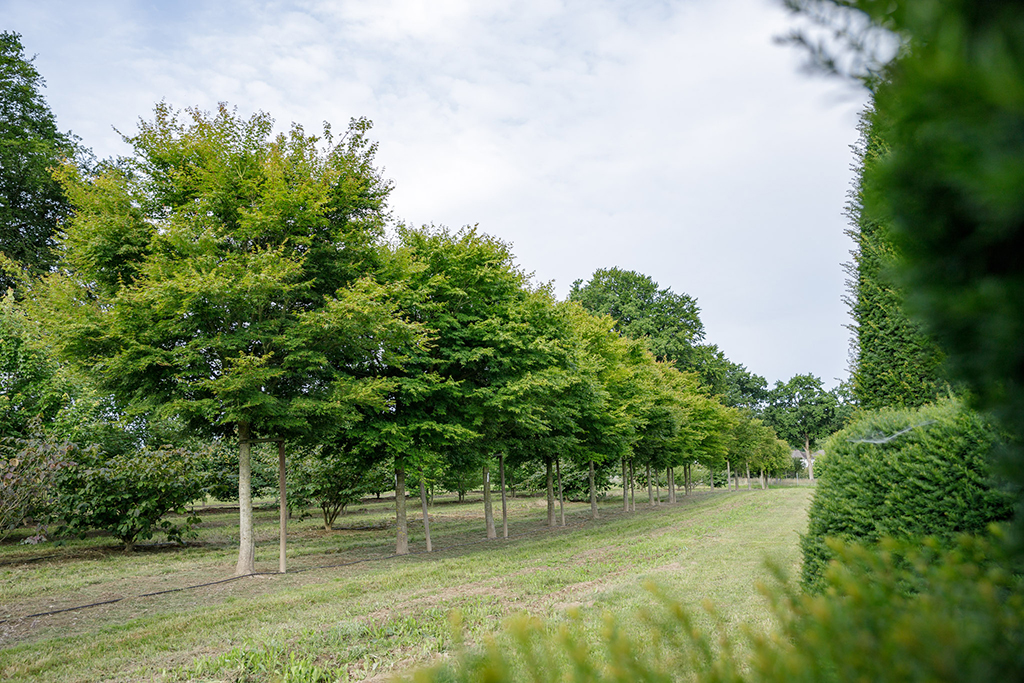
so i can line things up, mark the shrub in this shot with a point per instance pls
(28, 470)
(329, 479)
(129, 494)
(963, 622)
(904, 473)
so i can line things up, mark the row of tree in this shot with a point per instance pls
(226, 285)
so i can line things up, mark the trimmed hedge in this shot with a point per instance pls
(904, 474)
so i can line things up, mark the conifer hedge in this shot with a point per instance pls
(904, 473)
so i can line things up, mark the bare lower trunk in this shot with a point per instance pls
(748, 476)
(625, 488)
(426, 514)
(504, 503)
(633, 499)
(761, 478)
(551, 494)
(488, 511)
(561, 498)
(728, 475)
(401, 525)
(283, 507)
(593, 493)
(650, 487)
(657, 490)
(246, 544)
(711, 476)
(670, 477)
(810, 460)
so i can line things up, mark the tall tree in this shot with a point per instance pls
(803, 413)
(668, 322)
(213, 278)
(32, 203)
(894, 362)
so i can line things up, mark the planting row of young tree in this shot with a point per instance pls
(224, 287)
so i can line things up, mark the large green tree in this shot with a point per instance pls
(802, 412)
(669, 323)
(214, 278)
(32, 203)
(894, 362)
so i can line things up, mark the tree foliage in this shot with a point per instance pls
(668, 322)
(894, 362)
(32, 203)
(904, 473)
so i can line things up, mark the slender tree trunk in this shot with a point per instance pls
(632, 487)
(593, 493)
(670, 481)
(748, 476)
(761, 479)
(810, 460)
(246, 543)
(650, 487)
(504, 503)
(657, 489)
(711, 476)
(426, 514)
(488, 511)
(283, 510)
(401, 525)
(551, 493)
(625, 488)
(728, 475)
(561, 497)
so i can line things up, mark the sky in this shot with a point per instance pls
(674, 138)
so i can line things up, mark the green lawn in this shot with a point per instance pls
(384, 614)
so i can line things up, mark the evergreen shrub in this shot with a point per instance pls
(904, 473)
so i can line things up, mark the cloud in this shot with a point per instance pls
(672, 137)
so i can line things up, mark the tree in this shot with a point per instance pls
(894, 362)
(802, 412)
(32, 203)
(668, 322)
(213, 278)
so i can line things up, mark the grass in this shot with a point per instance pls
(329, 619)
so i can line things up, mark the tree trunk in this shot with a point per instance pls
(728, 475)
(551, 493)
(657, 489)
(593, 493)
(401, 525)
(283, 511)
(650, 487)
(761, 478)
(561, 498)
(246, 542)
(625, 488)
(670, 482)
(711, 476)
(426, 514)
(632, 487)
(504, 503)
(748, 476)
(488, 511)
(810, 460)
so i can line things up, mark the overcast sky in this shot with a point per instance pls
(670, 137)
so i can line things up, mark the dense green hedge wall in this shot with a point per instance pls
(904, 473)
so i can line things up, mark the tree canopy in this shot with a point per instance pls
(32, 203)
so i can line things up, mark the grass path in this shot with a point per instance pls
(382, 615)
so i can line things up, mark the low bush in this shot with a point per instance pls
(129, 494)
(28, 470)
(904, 473)
(963, 622)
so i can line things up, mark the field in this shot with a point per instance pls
(349, 607)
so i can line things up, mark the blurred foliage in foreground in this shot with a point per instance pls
(906, 612)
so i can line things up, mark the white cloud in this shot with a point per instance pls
(669, 137)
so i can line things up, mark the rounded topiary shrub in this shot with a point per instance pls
(904, 473)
